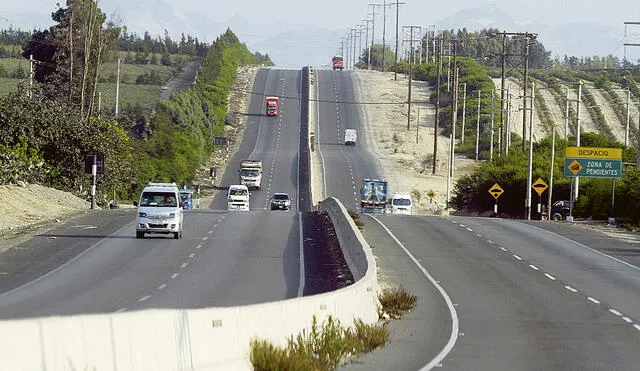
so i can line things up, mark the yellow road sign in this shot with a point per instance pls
(539, 186)
(431, 194)
(593, 152)
(575, 167)
(496, 191)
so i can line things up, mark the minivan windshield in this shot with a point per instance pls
(238, 192)
(158, 199)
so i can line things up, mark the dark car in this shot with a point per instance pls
(280, 201)
(560, 210)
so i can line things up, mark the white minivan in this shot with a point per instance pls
(238, 197)
(401, 204)
(160, 210)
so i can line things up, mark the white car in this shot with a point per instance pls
(160, 210)
(280, 201)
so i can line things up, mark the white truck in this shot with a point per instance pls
(350, 137)
(238, 197)
(251, 173)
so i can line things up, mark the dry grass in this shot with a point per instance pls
(322, 348)
(395, 302)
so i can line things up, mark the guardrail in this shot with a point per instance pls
(196, 339)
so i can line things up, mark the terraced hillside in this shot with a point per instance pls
(603, 108)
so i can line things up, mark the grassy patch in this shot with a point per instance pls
(7, 85)
(395, 302)
(356, 219)
(322, 348)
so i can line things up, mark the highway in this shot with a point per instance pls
(96, 265)
(492, 294)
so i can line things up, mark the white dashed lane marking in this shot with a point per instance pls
(162, 287)
(144, 298)
(593, 300)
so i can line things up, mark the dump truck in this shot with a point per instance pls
(272, 104)
(250, 173)
(373, 196)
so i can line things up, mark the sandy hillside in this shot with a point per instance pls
(406, 162)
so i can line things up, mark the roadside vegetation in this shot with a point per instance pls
(330, 344)
(478, 60)
(47, 129)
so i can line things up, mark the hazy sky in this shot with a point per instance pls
(337, 14)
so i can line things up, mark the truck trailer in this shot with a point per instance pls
(250, 173)
(373, 196)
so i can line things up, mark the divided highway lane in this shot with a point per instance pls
(225, 259)
(274, 140)
(522, 298)
(344, 167)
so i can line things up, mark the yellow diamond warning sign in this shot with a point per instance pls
(539, 186)
(496, 191)
(575, 167)
(431, 194)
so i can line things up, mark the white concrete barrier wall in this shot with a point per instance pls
(198, 339)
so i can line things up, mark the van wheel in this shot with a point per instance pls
(139, 234)
(557, 217)
(176, 235)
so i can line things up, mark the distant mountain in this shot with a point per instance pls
(296, 45)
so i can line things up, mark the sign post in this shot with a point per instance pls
(496, 191)
(539, 186)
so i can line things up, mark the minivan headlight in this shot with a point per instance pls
(142, 215)
(172, 215)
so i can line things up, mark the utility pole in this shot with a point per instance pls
(366, 43)
(566, 117)
(117, 88)
(530, 172)
(30, 76)
(395, 63)
(384, 33)
(437, 113)
(524, 89)
(492, 123)
(454, 114)
(503, 56)
(464, 110)
(411, 40)
(373, 31)
(502, 88)
(577, 179)
(478, 128)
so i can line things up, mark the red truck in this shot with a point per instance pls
(337, 62)
(272, 106)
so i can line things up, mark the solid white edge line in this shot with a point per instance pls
(455, 326)
(324, 174)
(301, 239)
(588, 248)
